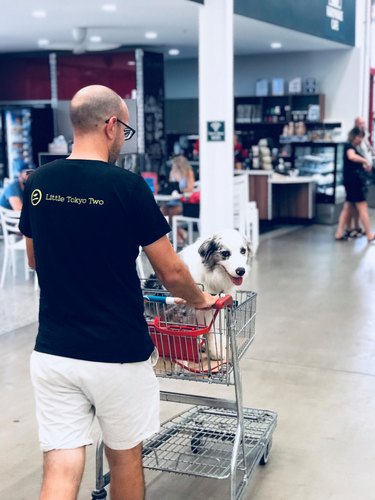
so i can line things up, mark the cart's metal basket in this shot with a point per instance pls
(200, 441)
(201, 345)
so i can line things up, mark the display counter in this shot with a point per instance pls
(281, 196)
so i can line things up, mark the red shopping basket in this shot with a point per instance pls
(177, 341)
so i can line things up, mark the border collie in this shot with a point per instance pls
(220, 263)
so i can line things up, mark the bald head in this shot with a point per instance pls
(92, 105)
(360, 122)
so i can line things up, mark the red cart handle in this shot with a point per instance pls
(225, 301)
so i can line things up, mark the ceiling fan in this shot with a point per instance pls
(81, 41)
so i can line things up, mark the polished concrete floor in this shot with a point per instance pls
(313, 362)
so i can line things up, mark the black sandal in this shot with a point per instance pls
(342, 238)
(356, 233)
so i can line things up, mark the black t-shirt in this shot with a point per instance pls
(87, 219)
(353, 171)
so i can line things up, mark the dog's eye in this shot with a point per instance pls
(243, 251)
(225, 254)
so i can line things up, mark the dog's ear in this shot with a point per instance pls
(207, 248)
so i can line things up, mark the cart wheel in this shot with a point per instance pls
(197, 443)
(99, 495)
(266, 454)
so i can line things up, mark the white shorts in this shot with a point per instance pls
(69, 393)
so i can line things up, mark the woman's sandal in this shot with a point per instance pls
(356, 233)
(341, 238)
(371, 239)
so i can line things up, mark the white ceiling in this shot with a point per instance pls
(175, 21)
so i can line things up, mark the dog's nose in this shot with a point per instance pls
(240, 271)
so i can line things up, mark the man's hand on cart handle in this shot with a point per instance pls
(208, 301)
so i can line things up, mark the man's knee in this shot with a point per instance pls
(124, 457)
(62, 473)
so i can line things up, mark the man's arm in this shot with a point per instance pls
(30, 252)
(15, 202)
(174, 274)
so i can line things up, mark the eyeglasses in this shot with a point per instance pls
(128, 131)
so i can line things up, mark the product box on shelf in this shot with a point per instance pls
(310, 86)
(277, 86)
(295, 86)
(261, 87)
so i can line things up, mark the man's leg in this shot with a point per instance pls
(62, 474)
(127, 480)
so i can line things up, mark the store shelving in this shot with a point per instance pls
(324, 162)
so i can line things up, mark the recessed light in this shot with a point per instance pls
(109, 7)
(173, 52)
(131, 63)
(43, 42)
(39, 14)
(95, 38)
(276, 45)
(151, 35)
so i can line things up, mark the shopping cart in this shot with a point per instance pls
(215, 438)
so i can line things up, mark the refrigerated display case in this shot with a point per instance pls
(324, 161)
(25, 131)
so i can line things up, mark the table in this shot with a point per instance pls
(279, 195)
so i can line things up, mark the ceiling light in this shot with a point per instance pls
(39, 14)
(151, 35)
(109, 7)
(276, 45)
(43, 42)
(173, 52)
(131, 63)
(95, 39)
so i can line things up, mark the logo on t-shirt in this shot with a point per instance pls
(36, 197)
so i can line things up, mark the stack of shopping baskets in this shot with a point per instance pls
(215, 438)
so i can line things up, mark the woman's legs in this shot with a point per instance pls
(365, 218)
(343, 220)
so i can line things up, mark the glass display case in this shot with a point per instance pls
(324, 161)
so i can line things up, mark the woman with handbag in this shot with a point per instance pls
(355, 168)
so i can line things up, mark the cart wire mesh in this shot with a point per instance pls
(200, 441)
(198, 345)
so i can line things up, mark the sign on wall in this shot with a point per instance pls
(330, 19)
(215, 131)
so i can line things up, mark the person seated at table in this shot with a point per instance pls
(12, 196)
(183, 173)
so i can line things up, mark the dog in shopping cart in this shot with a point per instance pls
(220, 263)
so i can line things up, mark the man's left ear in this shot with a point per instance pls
(110, 127)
